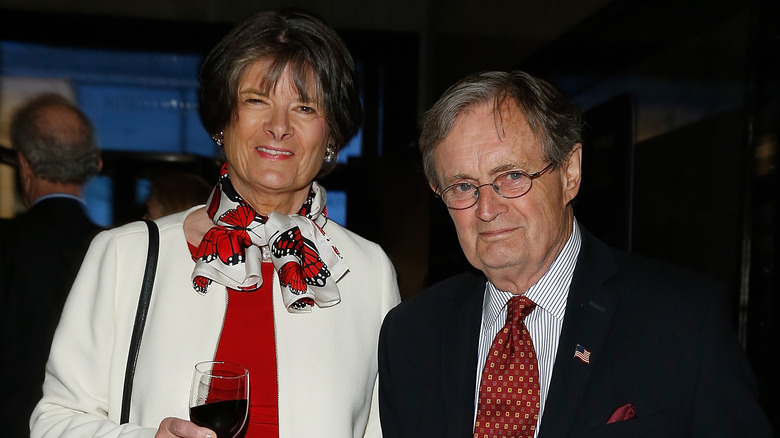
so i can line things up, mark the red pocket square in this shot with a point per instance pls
(625, 412)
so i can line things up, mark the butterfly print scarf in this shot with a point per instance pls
(232, 251)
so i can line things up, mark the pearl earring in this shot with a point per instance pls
(219, 138)
(330, 154)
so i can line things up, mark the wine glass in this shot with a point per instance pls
(219, 397)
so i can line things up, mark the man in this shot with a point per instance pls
(41, 249)
(597, 343)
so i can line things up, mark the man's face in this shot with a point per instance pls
(513, 241)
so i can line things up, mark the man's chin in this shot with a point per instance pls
(497, 265)
(497, 255)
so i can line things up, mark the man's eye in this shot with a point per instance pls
(514, 176)
(463, 187)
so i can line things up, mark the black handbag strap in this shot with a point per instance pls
(140, 317)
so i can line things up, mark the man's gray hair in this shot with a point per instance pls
(555, 122)
(57, 139)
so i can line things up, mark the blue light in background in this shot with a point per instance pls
(119, 67)
(99, 195)
(337, 206)
(143, 119)
(352, 149)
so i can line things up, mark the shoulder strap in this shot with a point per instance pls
(140, 317)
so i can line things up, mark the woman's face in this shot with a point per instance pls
(276, 142)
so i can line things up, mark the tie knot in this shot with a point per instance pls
(518, 308)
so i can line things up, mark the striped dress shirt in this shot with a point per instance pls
(544, 322)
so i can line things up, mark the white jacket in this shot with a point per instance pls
(326, 360)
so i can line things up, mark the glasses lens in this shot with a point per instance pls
(460, 195)
(512, 184)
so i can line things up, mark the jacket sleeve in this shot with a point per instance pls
(390, 298)
(726, 402)
(387, 409)
(80, 385)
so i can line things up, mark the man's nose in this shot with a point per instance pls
(489, 203)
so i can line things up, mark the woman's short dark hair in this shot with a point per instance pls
(294, 39)
(555, 122)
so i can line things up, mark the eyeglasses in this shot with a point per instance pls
(512, 184)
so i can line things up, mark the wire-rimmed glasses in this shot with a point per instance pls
(512, 184)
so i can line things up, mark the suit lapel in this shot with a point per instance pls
(460, 343)
(589, 311)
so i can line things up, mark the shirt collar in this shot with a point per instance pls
(549, 293)
(60, 195)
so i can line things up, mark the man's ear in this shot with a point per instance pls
(433, 187)
(25, 177)
(22, 162)
(572, 173)
(24, 168)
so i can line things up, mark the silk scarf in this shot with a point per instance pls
(232, 251)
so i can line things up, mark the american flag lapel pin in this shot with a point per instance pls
(582, 354)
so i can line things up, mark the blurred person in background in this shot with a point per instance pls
(260, 276)
(175, 191)
(42, 248)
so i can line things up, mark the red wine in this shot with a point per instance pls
(223, 417)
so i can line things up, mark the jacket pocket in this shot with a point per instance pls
(666, 424)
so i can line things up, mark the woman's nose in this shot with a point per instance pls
(278, 125)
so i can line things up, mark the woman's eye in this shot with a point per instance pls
(306, 109)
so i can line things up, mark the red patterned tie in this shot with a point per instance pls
(509, 389)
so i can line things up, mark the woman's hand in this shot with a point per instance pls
(178, 428)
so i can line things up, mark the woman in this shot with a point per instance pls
(278, 94)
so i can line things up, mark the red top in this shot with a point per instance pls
(248, 339)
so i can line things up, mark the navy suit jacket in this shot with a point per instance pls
(660, 338)
(40, 253)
